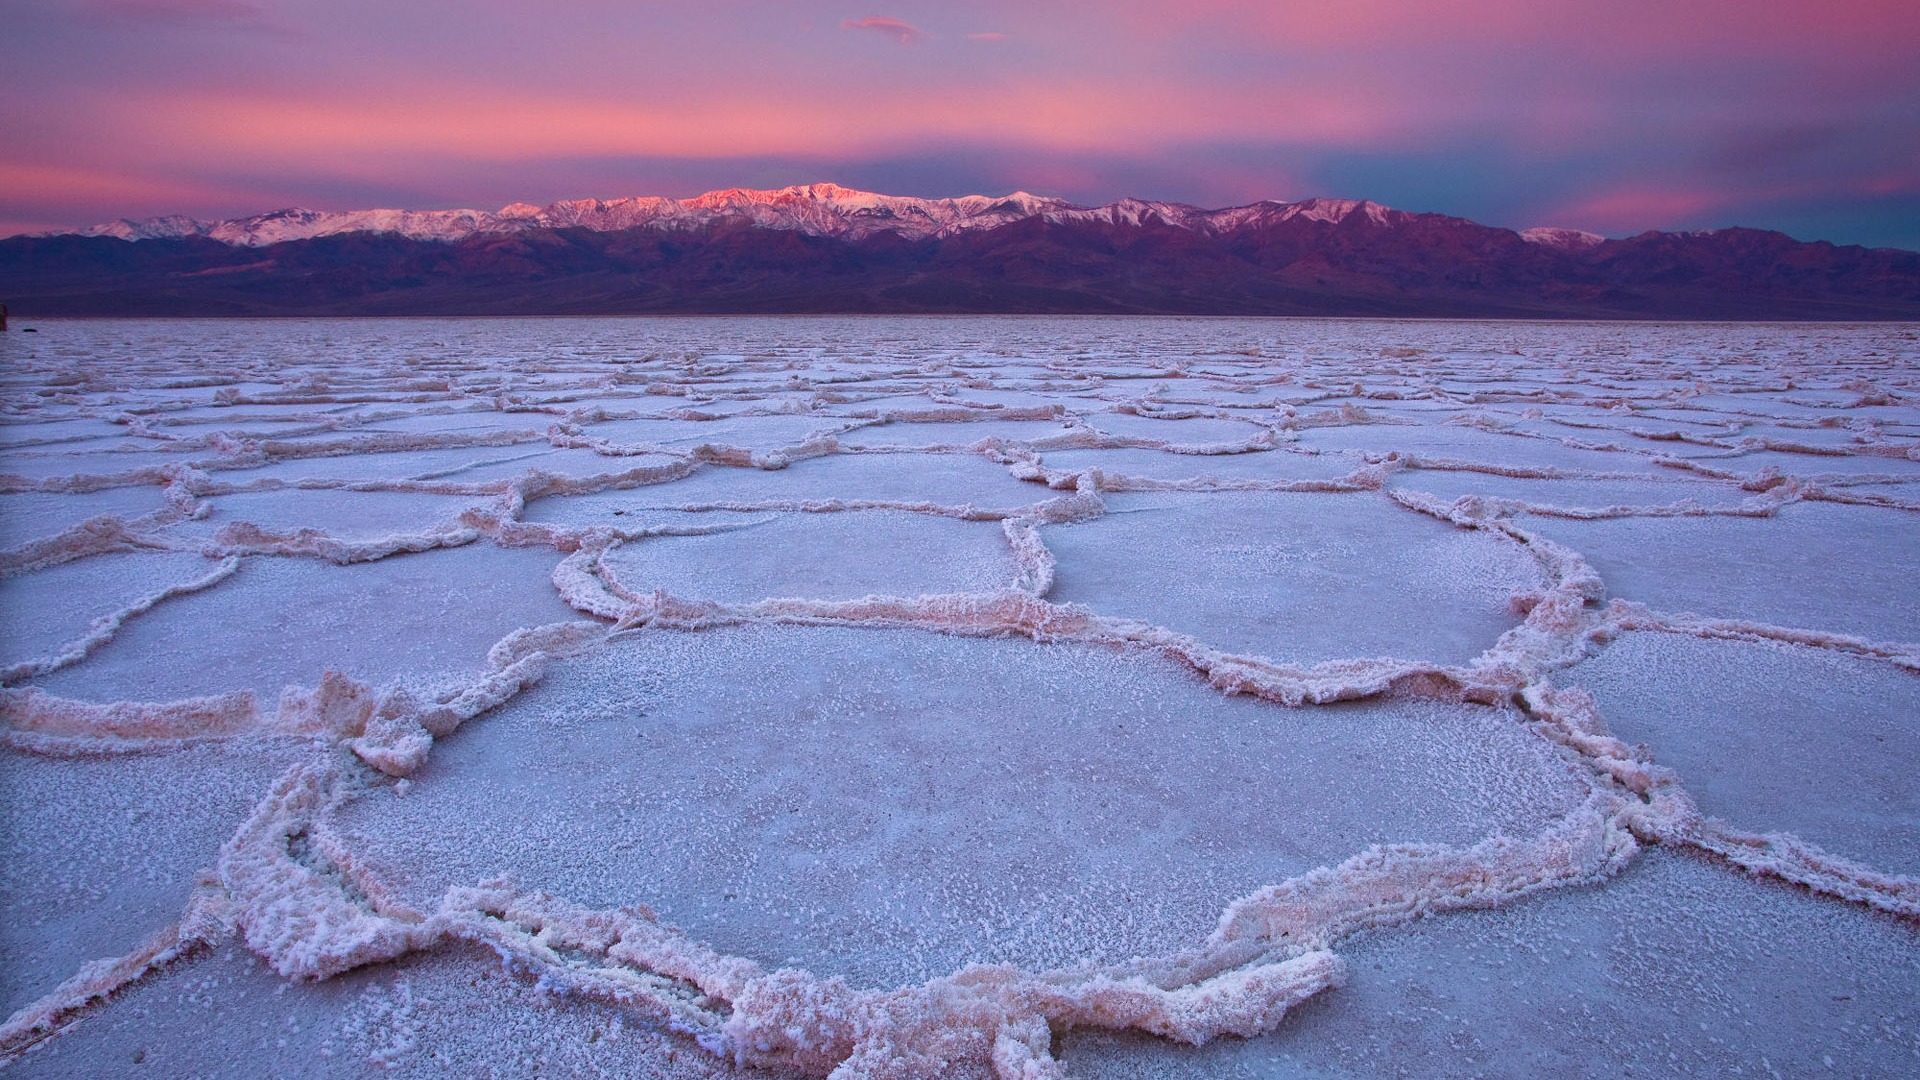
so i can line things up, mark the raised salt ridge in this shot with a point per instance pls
(1009, 698)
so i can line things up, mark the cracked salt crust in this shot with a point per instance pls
(1092, 726)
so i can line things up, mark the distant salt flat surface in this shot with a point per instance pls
(970, 697)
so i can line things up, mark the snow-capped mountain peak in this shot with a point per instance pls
(1569, 239)
(821, 209)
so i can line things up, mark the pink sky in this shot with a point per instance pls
(1617, 117)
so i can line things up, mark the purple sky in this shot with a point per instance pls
(1613, 116)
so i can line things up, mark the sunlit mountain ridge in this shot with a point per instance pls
(824, 209)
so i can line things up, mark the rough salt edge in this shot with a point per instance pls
(383, 442)
(543, 485)
(1477, 510)
(1483, 508)
(963, 511)
(1666, 813)
(966, 412)
(84, 483)
(1791, 859)
(103, 629)
(94, 536)
(1364, 478)
(1391, 884)
(1030, 554)
(392, 729)
(1013, 613)
(34, 712)
(1517, 472)
(1626, 615)
(395, 730)
(245, 538)
(400, 730)
(1087, 438)
(203, 924)
(306, 916)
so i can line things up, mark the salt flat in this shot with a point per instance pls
(915, 697)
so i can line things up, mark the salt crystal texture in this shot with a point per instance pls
(903, 697)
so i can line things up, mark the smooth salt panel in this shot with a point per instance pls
(44, 610)
(43, 464)
(455, 1015)
(633, 510)
(486, 422)
(32, 515)
(1461, 443)
(1021, 399)
(1775, 738)
(1677, 968)
(1300, 577)
(1904, 489)
(1845, 439)
(574, 463)
(1193, 431)
(1800, 405)
(1816, 466)
(1264, 465)
(1570, 493)
(422, 464)
(348, 515)
(15, 434)
(429, 617)
(1814, 566)
(950, 480)
(911, 434)
(890, 805)
(102, 852)
(751, 432)
(261, 420)
(1699, 423)
(836, 556)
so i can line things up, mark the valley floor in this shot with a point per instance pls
(974, 696)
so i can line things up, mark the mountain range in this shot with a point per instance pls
(826, 248)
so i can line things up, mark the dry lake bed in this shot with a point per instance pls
(928, 697)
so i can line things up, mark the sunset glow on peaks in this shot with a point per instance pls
(1617, 117)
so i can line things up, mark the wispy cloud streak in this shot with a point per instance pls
(902, 32)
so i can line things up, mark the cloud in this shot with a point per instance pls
(904, 33)
(45, 196)
(987, 37)
(1635, 208)
(179, 10)
(190, 16)
(1618, 30)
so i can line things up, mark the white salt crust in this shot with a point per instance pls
(1021, 698)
